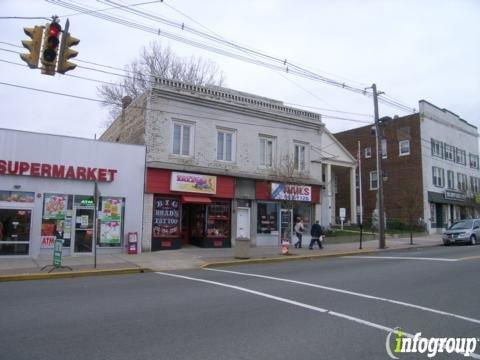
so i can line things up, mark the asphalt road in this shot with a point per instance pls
(337, 308)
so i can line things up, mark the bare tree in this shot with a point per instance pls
(162, 62)
(289, 177)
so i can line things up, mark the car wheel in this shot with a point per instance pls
(473, 240)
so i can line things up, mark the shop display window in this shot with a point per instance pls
(303, 211)
(110, 221)
(56, 219)
(59, 220)
(267, 219)
(14, 231)
(218, 219)
(166, 218)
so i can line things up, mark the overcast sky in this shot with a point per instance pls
(412, 50)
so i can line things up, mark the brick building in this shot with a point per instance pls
(430, 168)
(222, 164)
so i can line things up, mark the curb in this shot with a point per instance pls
(291, 257)
(72, 274)
(282, 258)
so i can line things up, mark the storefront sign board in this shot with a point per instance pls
(59, 171)
(166, 217)
(17, 196)
(194, 183)
(291, 192)
(455, 195)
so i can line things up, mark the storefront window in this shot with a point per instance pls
(14, 231)
(55, 220)
(304, 212)
(110, 220)
(166, 217)
(267, 219)
(218, 219)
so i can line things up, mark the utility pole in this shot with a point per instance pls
(380, 204)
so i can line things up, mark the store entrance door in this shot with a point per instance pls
(243, 222)
(286, 225)
(83, 234)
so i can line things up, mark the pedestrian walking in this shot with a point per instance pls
(299, 232)
(317, 235)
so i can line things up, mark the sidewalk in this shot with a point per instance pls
(26, 268)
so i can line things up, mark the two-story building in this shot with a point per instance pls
(223, 164)
(430, 163)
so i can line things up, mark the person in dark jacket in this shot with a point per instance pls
(316, 232)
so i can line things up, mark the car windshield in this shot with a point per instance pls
(464, 224)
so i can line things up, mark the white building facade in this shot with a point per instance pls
(223, 164)
(451, 175)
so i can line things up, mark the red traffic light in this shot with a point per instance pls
(50, 47)
(55, 29)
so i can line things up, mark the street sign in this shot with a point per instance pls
(57, 253)
(343, 213)
(57, 257)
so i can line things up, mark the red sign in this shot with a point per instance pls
(9, 167)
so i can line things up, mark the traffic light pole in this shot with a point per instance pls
(380, 204)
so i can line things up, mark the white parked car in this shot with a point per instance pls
(463, 231)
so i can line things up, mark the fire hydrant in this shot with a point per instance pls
(285, 245)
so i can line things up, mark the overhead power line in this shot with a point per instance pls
(26, 18)
(152, 83)
(250, 55)
(139, 107)
(196, 115)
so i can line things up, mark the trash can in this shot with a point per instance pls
(242, 248)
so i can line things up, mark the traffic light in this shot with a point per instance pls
(66, 53)
(33, 46)
(50, 48)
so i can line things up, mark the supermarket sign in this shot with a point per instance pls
(58, 171)
(291, 192)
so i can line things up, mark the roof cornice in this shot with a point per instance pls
(237, 102)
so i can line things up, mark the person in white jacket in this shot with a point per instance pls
(299, 232)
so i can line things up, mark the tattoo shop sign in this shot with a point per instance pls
(291, 192)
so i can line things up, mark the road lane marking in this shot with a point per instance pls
(469, 258)
(296, 303)
(402, 303)
(400, 258)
